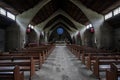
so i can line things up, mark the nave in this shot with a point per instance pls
(33, 35)
(63, 65)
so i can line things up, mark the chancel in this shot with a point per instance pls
(59, 39)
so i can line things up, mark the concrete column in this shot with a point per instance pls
(37, 34)
(95, 18)
(24, 19)
(46, 37)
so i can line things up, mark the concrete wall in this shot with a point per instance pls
(25, 18)
(117, 38)
(12, 37)
(89, 39)
(103, 35)
(2, 40)
(106, 36)
(31, 37)
(94, 18)
(103, 32)
(78, 40)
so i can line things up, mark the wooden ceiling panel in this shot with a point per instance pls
(65, 5)
(75, 12)
(99, 5)
(58, 18)
(44, 13)
(21, 5)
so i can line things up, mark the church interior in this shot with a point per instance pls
(59, 40)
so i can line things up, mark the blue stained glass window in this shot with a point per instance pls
(60, 31)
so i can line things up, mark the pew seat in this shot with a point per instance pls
(101, 64)
(24, 65)
(12, 73)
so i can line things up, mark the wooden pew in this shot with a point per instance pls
(12, 74)
(114, 72)
(19, 58)
(105, 55)
(76, 50)
(103, 63)
(44, 51)
(33, 52)
(25, 64)
(30, 53)
(95, 52)
(89, 58)
(37, 57)
(80, 51)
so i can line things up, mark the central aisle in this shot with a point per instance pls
(62, 65)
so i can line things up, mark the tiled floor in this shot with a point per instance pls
(63, 65)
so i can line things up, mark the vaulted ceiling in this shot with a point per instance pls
(60, 17)
(60, 24)
(20, 6)
(65, 5)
